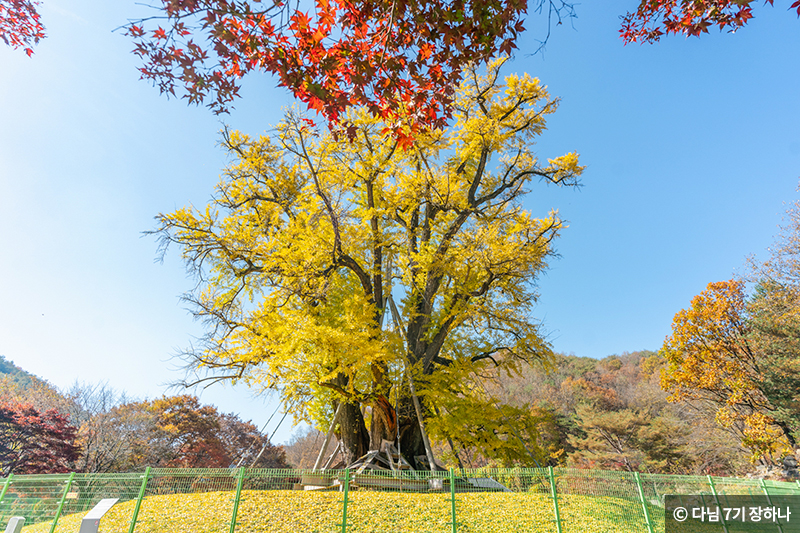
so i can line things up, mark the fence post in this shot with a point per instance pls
(716, 500)
(139, 500)
(644, 503)
(239, 484)
(453, 500)
(764, 488)
(344, 506)
(61, 503)
(554, 494)
(5, 487)
(769, 500)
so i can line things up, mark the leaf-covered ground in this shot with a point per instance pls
(368, 512)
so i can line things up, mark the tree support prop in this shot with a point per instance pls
(328, 437)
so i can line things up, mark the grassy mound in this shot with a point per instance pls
(368, 512)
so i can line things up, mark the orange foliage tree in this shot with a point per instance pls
(714, 356)
(198, 436)
(191, 432)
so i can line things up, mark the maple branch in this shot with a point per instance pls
(551, 9)
(388, 34)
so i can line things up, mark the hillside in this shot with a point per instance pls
(17, 385)
(16, 374)
(612, 413)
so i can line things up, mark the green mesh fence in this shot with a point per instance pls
(558, 500)
(35, 497)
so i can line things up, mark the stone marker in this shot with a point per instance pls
(91, 522)
(15, 524)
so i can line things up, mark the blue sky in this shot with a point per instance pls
(692, 149)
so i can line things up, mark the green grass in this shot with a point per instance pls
(368, 512)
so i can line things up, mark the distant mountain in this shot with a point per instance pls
(20, 386)
(22, 378)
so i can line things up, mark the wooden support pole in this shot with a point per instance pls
(328, 437)
(418, 409)
(428, 450)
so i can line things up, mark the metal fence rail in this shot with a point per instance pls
(557, 500)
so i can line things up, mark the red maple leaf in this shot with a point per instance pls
(20, 24)
(370, 53)
(655, 18)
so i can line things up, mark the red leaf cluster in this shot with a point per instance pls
(20, 24)
(655, 18)
(35, 443)
(398, 58)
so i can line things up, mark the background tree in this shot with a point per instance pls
(611, 441)
(303, 448)
(139, 441)
(399, 59)
(123, 439)
(655, 18)
(192, 435)
(117, 434)
(244, 444)
(774, 316)
(191, 432)
(20, 24)
(35, 443)
(18, 386)
(713, 356)
(101, 441)
(105, 436)
(611, 413)
(624, 420)
(309, 235)
(17, 374)
(85, 406)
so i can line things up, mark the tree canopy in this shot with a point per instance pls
(192, 435)
(309, 235)
(774, 312)
(172, 431)
(34, 442)
(20, 24)
(656, 18)
(93, 429)
(720, 351)
(398, 59)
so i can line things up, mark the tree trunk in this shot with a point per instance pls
(357, 440)
(353, 432)
(411, 443)
(384, 423)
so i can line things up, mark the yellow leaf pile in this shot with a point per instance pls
(368, 512)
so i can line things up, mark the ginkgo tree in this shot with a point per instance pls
(310, 233)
